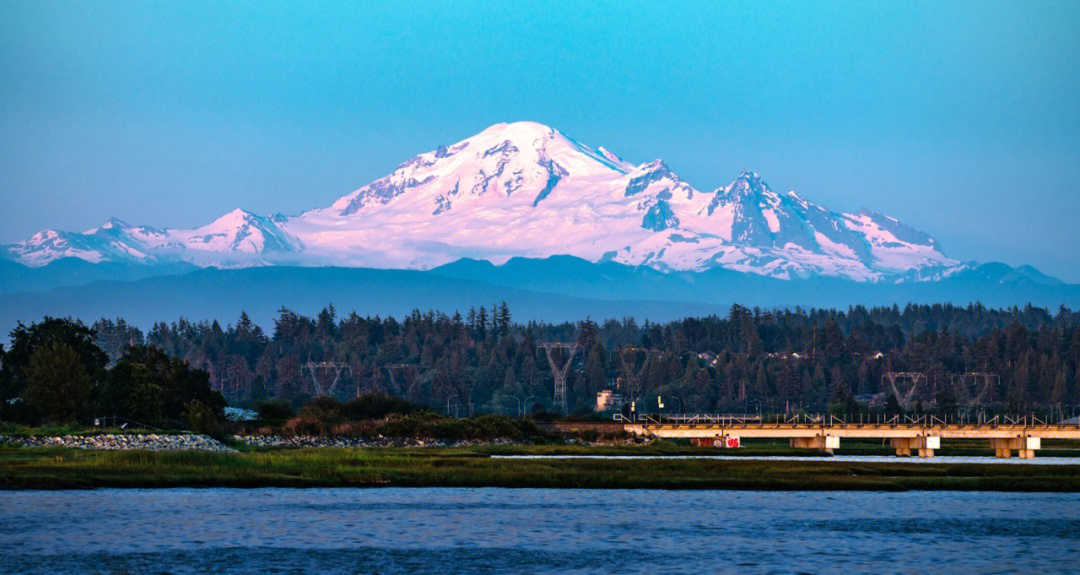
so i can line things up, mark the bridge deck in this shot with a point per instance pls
(853, 430)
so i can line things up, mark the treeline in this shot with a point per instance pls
(752, 360)
(55, 373)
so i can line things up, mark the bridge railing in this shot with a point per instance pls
(688, 419)
(922, 420)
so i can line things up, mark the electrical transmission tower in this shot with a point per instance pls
(326, 368)
(559, 373)
(973, 388)
(907, 379)
(411, 374)
(633, 376)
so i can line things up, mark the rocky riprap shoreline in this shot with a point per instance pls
(342, 441)
(150, 442)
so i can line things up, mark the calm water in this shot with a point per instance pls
(535, 531)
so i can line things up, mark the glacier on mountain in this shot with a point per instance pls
(526, 190)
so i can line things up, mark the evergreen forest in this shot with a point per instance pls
(938, 358)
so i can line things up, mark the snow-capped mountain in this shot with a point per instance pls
(527, 190)
(237, 239)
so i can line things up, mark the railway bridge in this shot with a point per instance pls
(908, 435)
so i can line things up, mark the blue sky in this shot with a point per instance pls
(961, 119)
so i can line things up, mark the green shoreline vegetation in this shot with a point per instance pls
(63, 468)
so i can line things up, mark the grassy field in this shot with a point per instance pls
(59, 468)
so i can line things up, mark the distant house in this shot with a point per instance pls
(608, 400)
(708, 358)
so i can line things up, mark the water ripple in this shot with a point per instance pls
(536, 531)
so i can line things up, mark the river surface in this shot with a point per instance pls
(329, 531)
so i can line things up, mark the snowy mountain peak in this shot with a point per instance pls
(749, 176)
(234, 219)
(238, 232)
(498, 162)
(115, 223)
(642, 177)
(521, 132)
(656, 166)
(749, 184)
(524, 189)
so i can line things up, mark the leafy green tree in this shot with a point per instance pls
(179, 383)
(24, 342)
(57, 385)
(131, 392)
(202, 418)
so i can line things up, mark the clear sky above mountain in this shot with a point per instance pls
(961, 119)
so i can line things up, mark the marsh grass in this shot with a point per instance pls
(58, 468)
(16, 430)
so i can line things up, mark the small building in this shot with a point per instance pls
(608, 400)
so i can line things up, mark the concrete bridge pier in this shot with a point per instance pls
(922, 438)
(826, 443)
(924, 445)
(1025, 447)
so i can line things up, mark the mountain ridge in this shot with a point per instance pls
(560, 288)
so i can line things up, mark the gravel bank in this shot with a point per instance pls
(149, 442)
(339, 441)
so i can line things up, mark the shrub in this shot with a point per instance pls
(353, 429)
(413, 425)
(378, 406)
(325, 409)
(543, 416)
(305, 424)
(615, 436)
(202, 418)
(484, 427)
(589, 435)
(275, 410)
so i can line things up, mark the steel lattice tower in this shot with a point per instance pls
(314, 367)
(411, 371)
(632, 375)
(913, 378)
(966, 385)
(559, 373)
